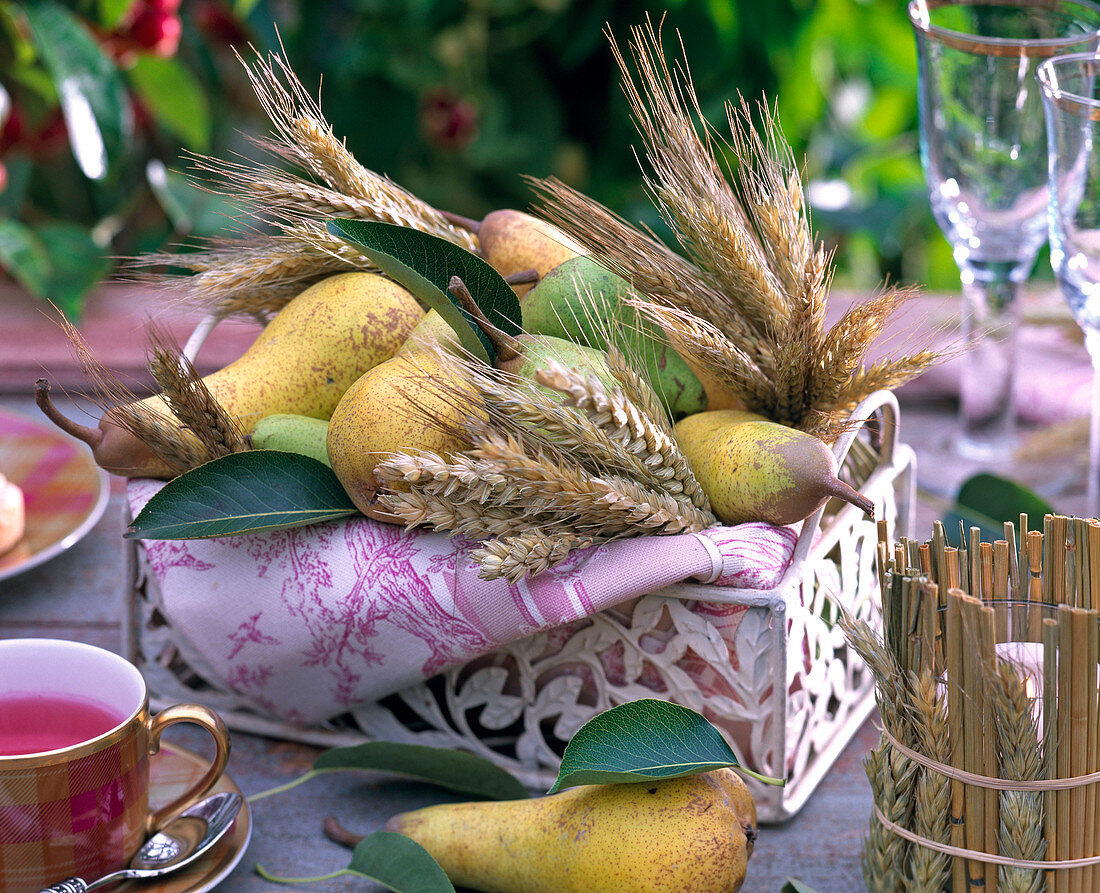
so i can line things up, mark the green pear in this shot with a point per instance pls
(753, 469)
(292, 434)
(582, 301)
(525, 355)
(302, 362)
(694, 833)
(512, 241)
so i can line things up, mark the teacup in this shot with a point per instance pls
(76, 737)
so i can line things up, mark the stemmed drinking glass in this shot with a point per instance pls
(1071, 100)
(983, 149)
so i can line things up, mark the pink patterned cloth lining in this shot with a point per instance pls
(310, 622)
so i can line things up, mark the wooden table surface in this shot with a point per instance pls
(78, 596)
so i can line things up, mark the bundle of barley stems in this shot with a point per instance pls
(546, 467)
(745, 305)
(986, 677)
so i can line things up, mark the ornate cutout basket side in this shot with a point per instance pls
(718, 650)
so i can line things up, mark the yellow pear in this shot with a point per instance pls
(301, 363)
(672, 836)
(754, 469)
(393, 408)
(432, 329)
(512, 241)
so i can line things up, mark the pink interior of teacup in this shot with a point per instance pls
(57, 694)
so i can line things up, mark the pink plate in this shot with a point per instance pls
(64, 490)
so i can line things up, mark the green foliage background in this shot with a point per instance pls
(535, 91)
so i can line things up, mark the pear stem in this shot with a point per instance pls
(461, 222)
(523, 277)
(90, 436)
(837, 487)
(337, 833)
(507, 347)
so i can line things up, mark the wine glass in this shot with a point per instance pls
(983, 149)
(1071, 101)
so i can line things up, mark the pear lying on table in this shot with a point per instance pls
(302, 362)
(754, 469)
(671, 836)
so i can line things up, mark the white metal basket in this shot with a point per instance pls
(521, 703)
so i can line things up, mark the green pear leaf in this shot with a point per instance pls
(395, 861)
(456, 770)
(794, 885)
(243, 493)
(988, 500)
(644, 740)
(398, 862)
(424, 264)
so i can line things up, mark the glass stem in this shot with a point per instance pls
(1092, 491)
(987, 412)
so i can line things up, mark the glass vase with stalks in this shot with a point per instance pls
(983, 150)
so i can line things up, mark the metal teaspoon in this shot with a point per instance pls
(180, 842)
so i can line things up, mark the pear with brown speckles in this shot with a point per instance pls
(671, 836)
(396, 407)
(753, 469)
(302, 362)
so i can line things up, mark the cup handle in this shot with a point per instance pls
(209, 720)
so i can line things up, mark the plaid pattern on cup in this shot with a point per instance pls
(82, 816)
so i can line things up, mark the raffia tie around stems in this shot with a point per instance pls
(992, 783)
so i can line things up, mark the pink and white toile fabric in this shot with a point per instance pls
(310, 622)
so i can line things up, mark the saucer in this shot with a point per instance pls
(172, 770)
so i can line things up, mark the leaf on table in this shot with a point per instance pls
(456, 770)
(394, 860)
(399, 863)
(640, 741)
(91, 90)
(243, 493)
(424, 264)
(987, 501)
(794, 885)
(174, 97)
